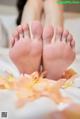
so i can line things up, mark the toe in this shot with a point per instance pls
(69, 40)
(73, 43)
(37, 30)
(26, 30)
(65, 35)
(20, 31)
(15, 37)
(48, 34)
(58, 34)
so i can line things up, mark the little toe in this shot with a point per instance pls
(48, 34)
(58, 34)
(37, 30)
(73, 43)
(64, 36)
(26, 30)
(69, 40)
(20, 31)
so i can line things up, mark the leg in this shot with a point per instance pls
(32, 11)
(25, 51)
(58, 51)
(53, 13)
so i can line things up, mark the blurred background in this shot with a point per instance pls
(9, 13)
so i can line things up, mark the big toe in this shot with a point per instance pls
(37, 30)
(48, 34)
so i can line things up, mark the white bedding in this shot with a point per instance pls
(41, 108)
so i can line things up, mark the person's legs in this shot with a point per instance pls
(58, 51)
(53, 13)
(32, 11)
(26, 51)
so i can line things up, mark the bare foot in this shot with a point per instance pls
(25, 50)
(58, 51)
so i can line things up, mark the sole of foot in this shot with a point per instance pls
(26, 47)
(58, 51)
